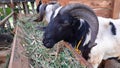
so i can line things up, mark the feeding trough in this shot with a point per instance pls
(18, 58)
(11, 51)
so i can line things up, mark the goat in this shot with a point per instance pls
(76, 23)
(46, 10)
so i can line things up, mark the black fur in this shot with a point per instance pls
(65, 27)
(58, 30)
(38, 6)
(84, 30)
(113, 29)
(115, 58)
(52, 3)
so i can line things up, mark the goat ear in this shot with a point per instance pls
(66, 23)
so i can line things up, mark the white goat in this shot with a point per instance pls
(108, 45)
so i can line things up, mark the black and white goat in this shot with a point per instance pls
(46, 10)
(76, 23)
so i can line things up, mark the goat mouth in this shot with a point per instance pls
(48, 43)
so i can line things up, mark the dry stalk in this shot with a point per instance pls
(77, 55)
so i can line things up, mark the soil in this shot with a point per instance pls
(5, 45)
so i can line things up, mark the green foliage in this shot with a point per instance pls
(2, 15)
(40, 56)
(5, 30)
(8, 11)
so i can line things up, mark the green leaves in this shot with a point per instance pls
(42, 57)
(2, 14)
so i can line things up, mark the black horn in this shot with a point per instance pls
(42, 9)
(81, 11)
(40, 2)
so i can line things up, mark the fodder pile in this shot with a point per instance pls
(39, 56)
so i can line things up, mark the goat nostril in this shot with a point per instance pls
(47, 44)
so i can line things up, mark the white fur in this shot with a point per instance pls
(108, 45)
(48, 12)
(87, 38)
(50, 8)
(88, 35)
(57, 11)
(81, 23)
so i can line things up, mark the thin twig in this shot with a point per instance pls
(6, 18)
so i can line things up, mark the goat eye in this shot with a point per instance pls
(66, 23)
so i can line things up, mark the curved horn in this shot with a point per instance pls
(81, 11)
(42, 11)
(38, 6)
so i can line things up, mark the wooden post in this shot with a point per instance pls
(32, 4)
(25, 7)
(116, 9)
(12, 6)
(4, 10)
(37, 2)
(18, 58)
